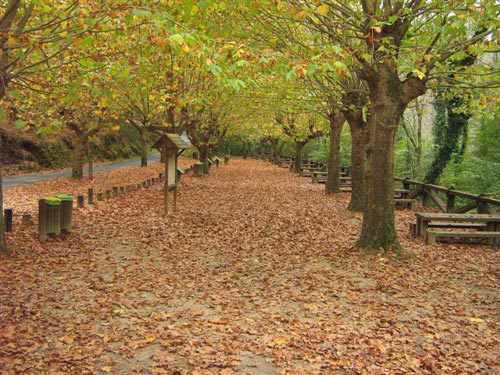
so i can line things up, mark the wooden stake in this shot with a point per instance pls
(8, 216)
(27, 220)
(165, 193)
(42, 220)
(91, 196)
(81, 201)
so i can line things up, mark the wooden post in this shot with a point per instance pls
(81, 201)
(226, 159)
(91, 171)
(115, 191)
(450, 201)
(175, 197)
(482, 207)
(198, 169)
(100, 196)
(8, 216)
(160, 177)
(42, 220)
(122, 190)
(406, 184)
(176, 184)
(91, 196)
(27, 220)
(165, 188)
(426, 196)
(108, 194)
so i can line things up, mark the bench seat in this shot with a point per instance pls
(434, 234)
(405, 203)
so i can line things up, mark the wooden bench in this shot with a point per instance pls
(434, 234)
(401, 193)
(308, 172)
(442, 224)
(405, 203)
(426, 220)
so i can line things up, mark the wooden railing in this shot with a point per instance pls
(445, 198)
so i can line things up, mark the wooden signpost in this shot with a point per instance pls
(171, 146)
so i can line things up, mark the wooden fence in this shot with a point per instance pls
(445, 199)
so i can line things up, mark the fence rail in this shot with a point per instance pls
(430, 193)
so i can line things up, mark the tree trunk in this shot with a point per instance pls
(299, 147)
(203, 153)
(3, 243)
(144, 148)
(78, 156)
(358, 160)
(336, 120)
(379, 230)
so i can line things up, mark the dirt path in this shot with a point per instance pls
(255, 274)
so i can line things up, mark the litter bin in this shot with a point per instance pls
(49, 217)
(198, 169)
(66, 211)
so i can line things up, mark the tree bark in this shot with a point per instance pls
(358, 160)
(379, 230)
(336, 120)
(299, 147)
(78, 156)
(144, 148)
(204, 150)
(3, 242)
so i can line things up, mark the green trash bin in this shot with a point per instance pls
(50, 216)
(198, 169)
(66, 211)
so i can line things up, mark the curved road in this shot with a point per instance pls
(29, 179)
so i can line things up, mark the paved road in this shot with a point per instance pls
(29, 179)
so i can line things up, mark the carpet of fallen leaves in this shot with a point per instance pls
(255, 274)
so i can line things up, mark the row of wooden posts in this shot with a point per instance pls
(56, 217)
(202, 168)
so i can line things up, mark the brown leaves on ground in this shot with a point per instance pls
(255, 274)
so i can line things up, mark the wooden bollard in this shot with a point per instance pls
(160, 177)
(226, 159)
(27, 219)
(81, 201)
(100, 196)
(49, 219)
(90, 194)
(108, 194)
(198, 170)
(8, 215)
(122, 190)
(115, 191)
(42, 220)
(144, 184)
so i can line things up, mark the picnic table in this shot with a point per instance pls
(424, 218)
(402, 193)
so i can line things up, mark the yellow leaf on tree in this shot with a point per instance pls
(300, 15)
(12, 42)
(323, 10)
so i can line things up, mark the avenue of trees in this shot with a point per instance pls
(274, 73)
